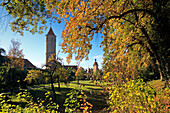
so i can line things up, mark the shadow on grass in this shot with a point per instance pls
(94, 96)
(22, 104)
(97, 99)
(60, 96)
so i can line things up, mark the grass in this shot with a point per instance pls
(157, 84)
(93, 92)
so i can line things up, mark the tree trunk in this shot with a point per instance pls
(159, 69)
(52, 83)
(154, 53)
(58, 84)
(78, 79)
(52, 87)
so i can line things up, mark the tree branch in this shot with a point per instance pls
(140, 42)
(121, 16)
(130, 11)
(6, 2)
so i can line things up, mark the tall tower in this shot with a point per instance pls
(50, 39)
(95, 66)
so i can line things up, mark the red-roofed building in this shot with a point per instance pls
(28, 64)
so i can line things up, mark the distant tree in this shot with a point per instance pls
(15, 54)
(62, 75)
(89, 73)
(96, 75)
(34, 77)
(100, 75)
(80, 74)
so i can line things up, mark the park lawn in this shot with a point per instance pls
(157, 84)
(93, 92)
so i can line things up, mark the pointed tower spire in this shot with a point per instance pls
(50, 32)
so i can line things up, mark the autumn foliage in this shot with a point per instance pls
(134, 37)
(133, 32)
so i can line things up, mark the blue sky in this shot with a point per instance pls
(34, 46)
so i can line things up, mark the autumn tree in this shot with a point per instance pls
(27, 15)
(134, 32)
(80, 74)
(15, 74)
(35, 77)
(62, 75)
(15, 54)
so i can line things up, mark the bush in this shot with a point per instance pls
(76, 101)
(137, 96)
(46, 105)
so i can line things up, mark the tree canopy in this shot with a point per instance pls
(134, 32)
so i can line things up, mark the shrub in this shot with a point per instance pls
(31, 106)
(137, 96)
(76, 101)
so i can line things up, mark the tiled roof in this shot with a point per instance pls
(50, 32)
(28, 64)
(95, 63)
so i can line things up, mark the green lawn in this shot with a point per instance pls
(93, 92)
(157, 84)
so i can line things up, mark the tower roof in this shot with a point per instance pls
(50, 32)
(95, 63)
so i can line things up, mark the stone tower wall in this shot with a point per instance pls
(50, 46)
(95, 68)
